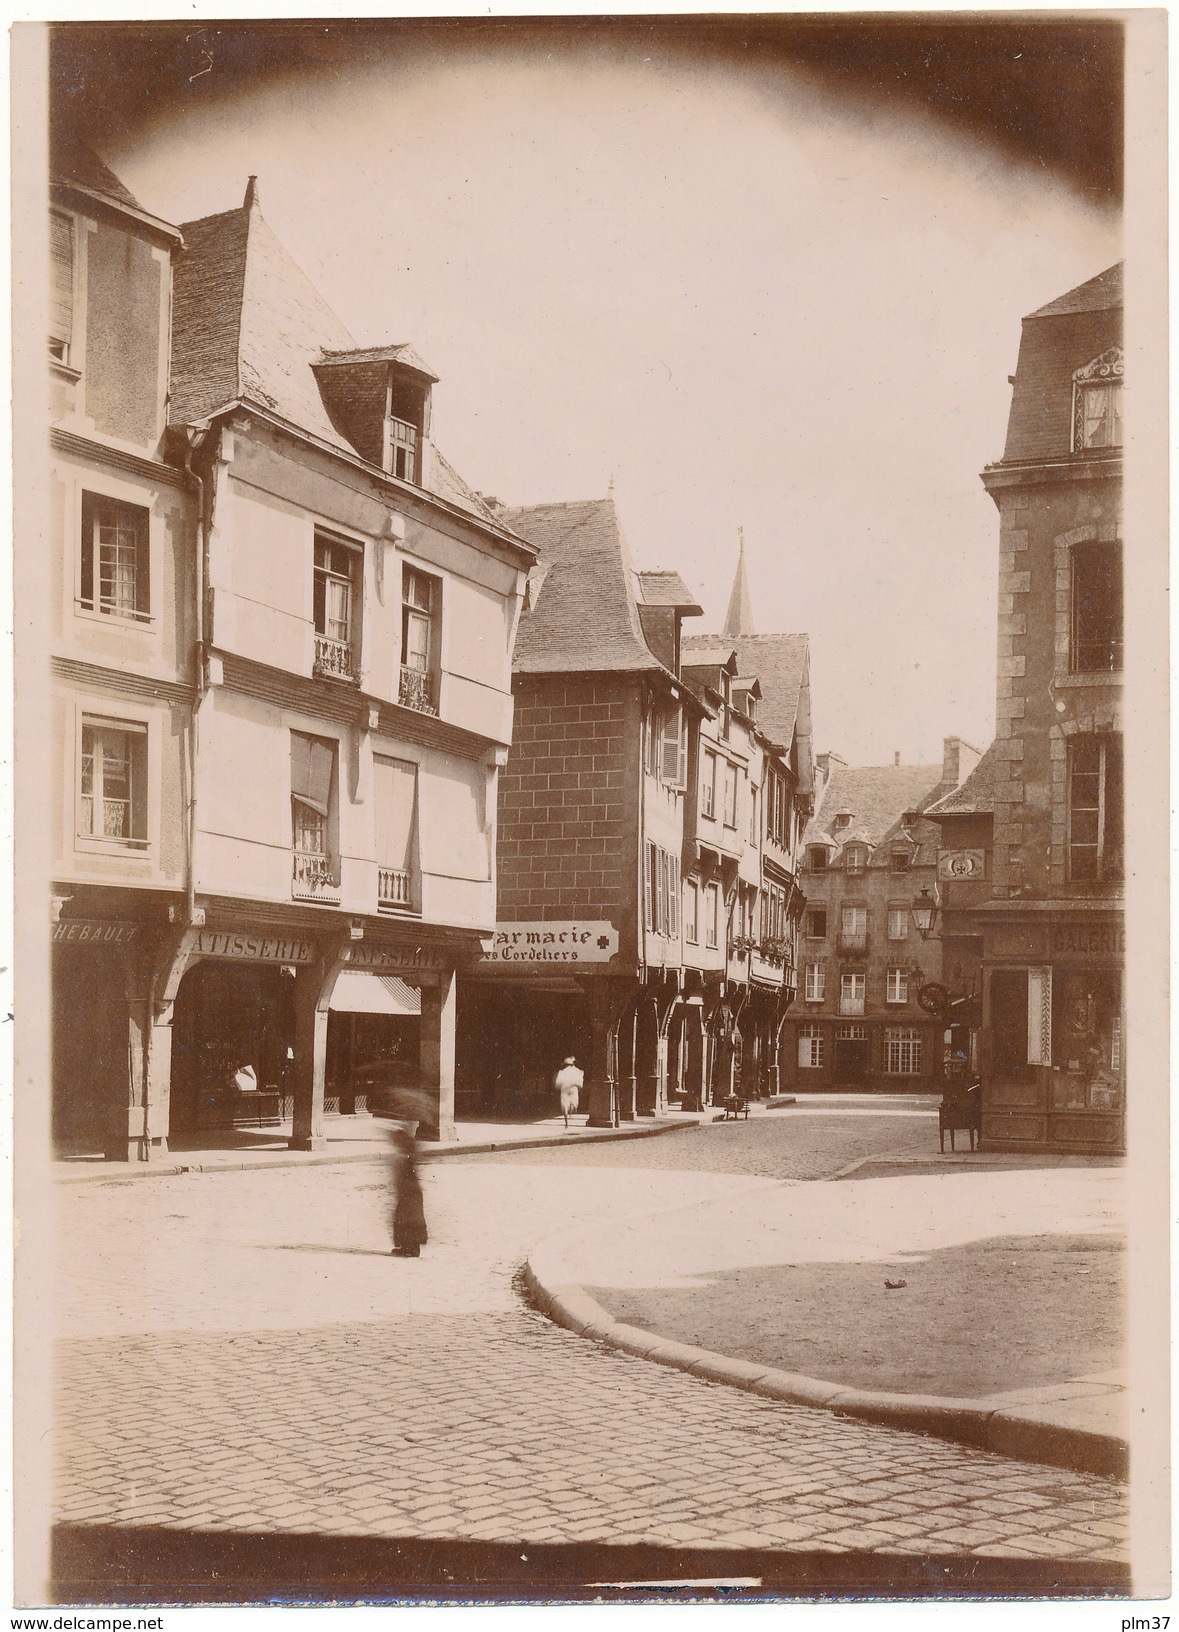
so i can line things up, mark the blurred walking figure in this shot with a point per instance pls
(569, 1085)
(409, 1213)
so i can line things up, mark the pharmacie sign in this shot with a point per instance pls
(571, 941)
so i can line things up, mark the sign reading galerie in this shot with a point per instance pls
(568, 941)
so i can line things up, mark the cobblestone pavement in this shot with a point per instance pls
(239, 1352)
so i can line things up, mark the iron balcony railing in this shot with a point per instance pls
(312, 878)
(1097, 656)
(417, 691)
(851, 1005)
(334, 658)
(852, 940)
(392, 887)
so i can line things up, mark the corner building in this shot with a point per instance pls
(1050, 934)
(332, 613)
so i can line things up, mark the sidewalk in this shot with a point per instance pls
(359, 1138)
(977, 1298)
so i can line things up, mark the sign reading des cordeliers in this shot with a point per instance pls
(581, 941)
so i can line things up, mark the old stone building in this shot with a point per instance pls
(1050, 932)
(284, 652)
(870, 853)
(587, 955)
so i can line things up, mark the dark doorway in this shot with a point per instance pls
(228, 1014)
(851, 1061)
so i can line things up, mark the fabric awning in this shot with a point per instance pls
(359, 992)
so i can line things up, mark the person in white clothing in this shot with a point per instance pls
(569, 1084)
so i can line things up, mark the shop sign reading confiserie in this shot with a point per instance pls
(571, 941)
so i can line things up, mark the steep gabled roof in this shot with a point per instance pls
(1099, 294)
(72, 163)
(778, 661)
(247, 324)
(976, 796)
(877, 796)
(585, 617)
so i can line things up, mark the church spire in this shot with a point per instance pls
(739, 618)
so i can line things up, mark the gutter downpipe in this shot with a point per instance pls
(191, 734)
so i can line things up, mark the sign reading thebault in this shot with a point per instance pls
(583, 941)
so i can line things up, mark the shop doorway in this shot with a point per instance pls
(90, 1053)
(509, 1046)
(851, 1056)
(228, 1014)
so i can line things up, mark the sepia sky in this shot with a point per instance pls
(751, 291)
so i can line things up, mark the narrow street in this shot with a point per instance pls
(243, 1355)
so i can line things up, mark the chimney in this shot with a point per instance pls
(958, 760)
(825, 765)
(896, 758)
(252, 200)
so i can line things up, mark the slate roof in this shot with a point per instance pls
(585, 617)
(778, 661)
(976, 796)
(666, 589)
(877, 796)
(248, 324)
(71, 161)
(400, 353)
(1099, 294)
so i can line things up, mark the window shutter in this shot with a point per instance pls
(670, 748)
(86, 591)
(61, 295)
(142, 565)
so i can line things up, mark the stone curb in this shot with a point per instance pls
(170, 1169)
(988, 1424)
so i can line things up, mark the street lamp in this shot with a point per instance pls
(924, 913)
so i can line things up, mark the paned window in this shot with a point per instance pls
(1096, 635)
(401, 440)
(902, 1051)
(1099, 415)
(115, 575)
(313, 781)
(856, 858)
(691, 912)
(712, 915)
(816, 982)
(1095, 852)
(730, 814)
(897, 986)
(853, 926)
(112, 790)
(336, 566)
(421, 601)
(898, 923)
(851, 993)
(753, 812)
(817, 857)
(810, 1047)
(707, 784)
(899, 861)
(816, 923)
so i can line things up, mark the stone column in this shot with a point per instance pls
(600, 1084)
(628, 1084)
(436, 1055)
(307, 1076)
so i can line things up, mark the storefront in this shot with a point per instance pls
(1053, 1045)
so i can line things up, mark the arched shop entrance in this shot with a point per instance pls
(510, 1041)
(230, 1013)
(373, 1039)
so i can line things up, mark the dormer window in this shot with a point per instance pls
(856, 859)
(817, 857)
(1097, 402)
(379, 399)
(842, 820)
